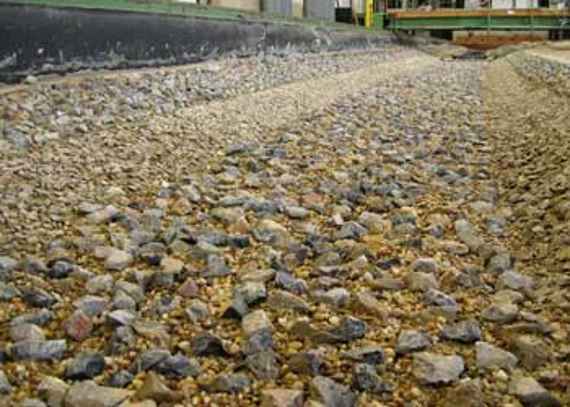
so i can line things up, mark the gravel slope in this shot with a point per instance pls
(338, 232)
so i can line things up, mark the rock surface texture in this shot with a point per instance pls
(345, 229)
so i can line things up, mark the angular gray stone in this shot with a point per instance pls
(410, 341)
(121, 317)
(430, 368)
(372, 355)
(337, 297)
(92, 305)
(514, 281)
(425, 265)
(330, 393)
(467, 331)
(491, 357)
(501, 313)
(118, 260)
(216, 267)
(365, 378)
(531, 394)
(440, 299)
(255, 322)
(263, 365)
(84, 366)
(197, 311)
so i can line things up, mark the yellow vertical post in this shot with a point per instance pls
(368, 10)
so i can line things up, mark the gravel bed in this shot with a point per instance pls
(336, 230)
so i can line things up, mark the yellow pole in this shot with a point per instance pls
(368, 10)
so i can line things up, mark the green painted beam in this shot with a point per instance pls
(521, 23)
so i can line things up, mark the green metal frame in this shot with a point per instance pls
(527, 23)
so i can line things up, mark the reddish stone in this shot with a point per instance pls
(189, 289)
(78, 326)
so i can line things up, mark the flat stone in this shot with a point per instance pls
(281, 300)
(337, 297)
(514, 281)
(411, 341)
(121, 317)
(430, 368)
(38, 350)
(89, 394)
(440, 299)
(467, 331)
(281, 398)
(331, 393)
(118, 260)
(297, 212)
(492, 357)
(26, 332)
(501, 313)
(531, 394)
(425, 265)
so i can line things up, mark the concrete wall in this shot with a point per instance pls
(246, 5)
(319, 9)
(280, 7)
